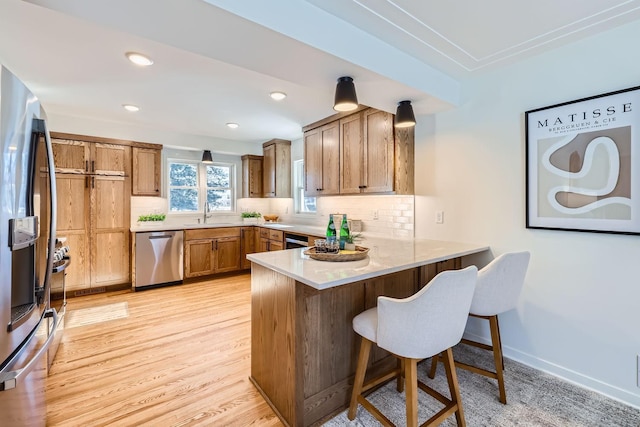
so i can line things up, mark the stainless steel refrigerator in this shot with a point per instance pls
(27, 243)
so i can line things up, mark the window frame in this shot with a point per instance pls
(231, 188)
(202, 187)
(298, 185)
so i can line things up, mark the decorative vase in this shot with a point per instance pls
(350, 246)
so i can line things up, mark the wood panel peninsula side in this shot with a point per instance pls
(303, 348)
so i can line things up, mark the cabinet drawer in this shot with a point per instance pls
(276, 235)
(264, 233)
(211, 233)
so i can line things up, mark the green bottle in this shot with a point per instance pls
(344, 231)
(331, 230)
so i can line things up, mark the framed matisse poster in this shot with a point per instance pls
(583, 164)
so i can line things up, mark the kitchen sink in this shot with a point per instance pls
(268, 224)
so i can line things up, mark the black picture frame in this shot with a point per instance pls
(583, 164)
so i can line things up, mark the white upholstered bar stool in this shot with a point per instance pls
(427, 323)
(499, 286)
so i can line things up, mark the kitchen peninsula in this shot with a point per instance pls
(303, 348)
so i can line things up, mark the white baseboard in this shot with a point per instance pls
(581, 380)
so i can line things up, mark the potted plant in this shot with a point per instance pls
(250, 217)
(350, 244)
(151, 219)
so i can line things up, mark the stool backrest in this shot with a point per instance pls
(431, 320)
(500, 283)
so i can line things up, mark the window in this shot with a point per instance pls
(303, 204)
(219, 191)
(183, 187)
(190, 182)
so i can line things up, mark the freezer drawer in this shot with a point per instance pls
(158, 258)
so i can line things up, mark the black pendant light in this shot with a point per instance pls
(404, 115)
(346, 99)
(206, 157)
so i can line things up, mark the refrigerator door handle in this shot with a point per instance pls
(10, 380)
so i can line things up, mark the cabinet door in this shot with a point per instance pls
(312, 163)
(330, 136)
(247, 245)
(70, 156)
(322, 160)
(227, 254)
(199, 258)
(146, 172)
(252, 176)
(269, 171)
(110, 221)
(276, 245)
(263, 244)
(351, 155)
(110, 159)
(73, 224)
(378, 154)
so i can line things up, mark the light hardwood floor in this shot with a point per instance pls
(173, 356)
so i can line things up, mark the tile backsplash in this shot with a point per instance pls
(385, 215)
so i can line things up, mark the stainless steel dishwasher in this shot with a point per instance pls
(158, 258)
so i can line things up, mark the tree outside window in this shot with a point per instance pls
(190, 181)
(183, 187)
(219, 190)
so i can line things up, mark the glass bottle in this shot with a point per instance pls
(344, 231)
(331, 230)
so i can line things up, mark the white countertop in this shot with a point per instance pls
(385, 256)
(167, 226)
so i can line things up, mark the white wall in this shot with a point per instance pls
(579, 313)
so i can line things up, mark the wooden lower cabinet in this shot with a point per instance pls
(211, 250)
(249, 239)
(93, 215)
(270, 240)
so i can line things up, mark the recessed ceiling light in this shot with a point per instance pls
(278, 96)
(130, 107)
(139, 59)
(233, 125)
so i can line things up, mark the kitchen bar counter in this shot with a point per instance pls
(303, 348)
(385, 256)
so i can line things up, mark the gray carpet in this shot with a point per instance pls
(534, 398)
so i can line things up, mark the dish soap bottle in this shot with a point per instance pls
(331, 230)
(344, 231)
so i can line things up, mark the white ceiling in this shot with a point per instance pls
(217, 60)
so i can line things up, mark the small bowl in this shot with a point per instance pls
(270, 218)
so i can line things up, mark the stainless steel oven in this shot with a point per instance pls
(295, 240)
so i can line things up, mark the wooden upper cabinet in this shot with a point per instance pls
(322, 160)
(378, 151)
(71, 156)
(373, 156)
(352, 152)
(85, 157)
(110, 159)
(276, 172)
(146, 171)
(252, 176)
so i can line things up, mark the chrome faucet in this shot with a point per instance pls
(206, 212)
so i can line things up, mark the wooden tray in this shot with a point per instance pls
(361, 253)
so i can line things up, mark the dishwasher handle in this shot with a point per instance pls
(162, 236)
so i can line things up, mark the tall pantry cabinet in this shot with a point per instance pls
(93, 182)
